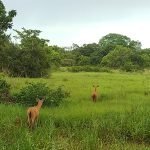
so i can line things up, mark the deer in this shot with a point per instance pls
(33, 112)
(94, 93)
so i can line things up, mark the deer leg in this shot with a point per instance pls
(32, 122)
(36, 120)
(94, 99)
(28, 120)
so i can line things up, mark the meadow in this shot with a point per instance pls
(120, 119)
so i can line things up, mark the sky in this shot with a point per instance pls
(65, 22)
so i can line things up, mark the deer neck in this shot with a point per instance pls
(39, 105)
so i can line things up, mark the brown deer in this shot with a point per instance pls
(94, 93)
(33, 113)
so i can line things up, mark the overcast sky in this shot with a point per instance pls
(64, 22)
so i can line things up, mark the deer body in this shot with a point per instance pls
(33, 113)
(94, 94)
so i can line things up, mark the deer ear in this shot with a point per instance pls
(37, 99)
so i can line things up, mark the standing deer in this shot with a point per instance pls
(33, 113)
(94, 93)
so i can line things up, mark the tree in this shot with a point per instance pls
(96, 57)
(117, 58)
(68, 62)
(137, 59)
(111, 40)
(55, 58)
(124, 58)
(87, 49)
(75, 46)
(6, 19)
(135, 45)
(145, 54)
(32, 58)
(87, 54)
(83, 60)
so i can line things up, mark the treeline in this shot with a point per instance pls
(31, 56)
(113, 51)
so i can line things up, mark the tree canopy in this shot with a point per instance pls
(32, 56)
(6, 19)
(6, 22)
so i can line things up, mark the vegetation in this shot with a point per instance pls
(118, 120)
(29, 93)
(88, 69)
(6, 19)
(4, 91)
(32, 56)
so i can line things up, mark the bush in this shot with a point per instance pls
(88, 69)
(28, 94)
(129, 67)
(4, 91)
(2, 75)
(56, 96)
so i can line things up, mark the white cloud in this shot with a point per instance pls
(89, 33)
(64, 22)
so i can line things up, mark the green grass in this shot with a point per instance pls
(118, 120)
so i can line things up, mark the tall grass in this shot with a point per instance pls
(119, 120)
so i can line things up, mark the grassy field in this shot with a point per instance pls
(120, 119)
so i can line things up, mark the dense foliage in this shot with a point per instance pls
(4, 91)
(6, 19)
(29, 94)
(118, 121)
(114, 51)
(88, 69)
(32, 56)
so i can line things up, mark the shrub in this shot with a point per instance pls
(3, 74)
(4, 91)
(88, 69)
(74, 69)
(56, 96)
(129, 67)
(28, 94)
